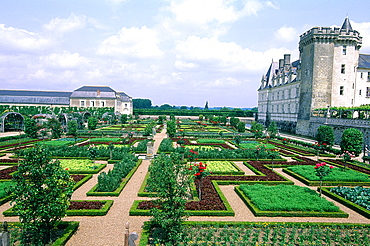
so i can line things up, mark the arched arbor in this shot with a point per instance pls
(11, 121)
(42, 119)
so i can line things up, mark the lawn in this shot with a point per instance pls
(114, 140)
(337, 174)
(255, 145)
(287, 198)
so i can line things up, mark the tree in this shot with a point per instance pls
(171, 181)
(272, 129)
(325, 135)
(55, 127)
(171, 128)
(234, 121)
(92, 123)
(142, 103)
(72, 128)
(352, 141)
(241, 127)
(124, 118)
(41, 195)
(257, 129)
(30, 127)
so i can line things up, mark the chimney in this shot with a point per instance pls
(281, 63)
(287, 59)
(98, 93)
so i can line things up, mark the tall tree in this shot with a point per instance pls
(352, 141)
(41, 194)
(30, 127)
(142, 103)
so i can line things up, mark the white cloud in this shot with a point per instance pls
(14, 40)
(210, 53)
(286, 34)
(132, 42)
(204, 11)
(65, 60)
(73, 22)
(364, 29)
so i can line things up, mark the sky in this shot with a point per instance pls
(177, 52)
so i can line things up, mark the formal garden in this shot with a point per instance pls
(209, 182)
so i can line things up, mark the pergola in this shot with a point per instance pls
(11, 121)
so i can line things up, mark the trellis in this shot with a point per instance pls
(11, 121)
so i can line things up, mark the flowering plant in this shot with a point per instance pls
(199, 173)
(322, 170)
(347, 156)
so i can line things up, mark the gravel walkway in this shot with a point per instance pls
(109, 229)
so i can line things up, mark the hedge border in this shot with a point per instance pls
(325, 182)
(118, 191)
(228, 212)
(82, 212)
(82, 181)
(260, 213)
(361, 210)
(145, 234)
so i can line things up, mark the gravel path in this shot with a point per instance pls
(109, 229)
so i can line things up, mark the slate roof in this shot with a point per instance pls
(364, 61)
(347, 25)
(94, 92)
(34, 97)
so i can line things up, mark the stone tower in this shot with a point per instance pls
(329, 58)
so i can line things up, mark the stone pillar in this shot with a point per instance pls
(149, 150)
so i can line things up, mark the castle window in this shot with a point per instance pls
(125, 105)
(367, 91)
(343, 68)
(82, 103)
(102, 103)
(92, 103)
(361, 75)
(359, 92)
(344, 51)
(368, 76)
(341, 90)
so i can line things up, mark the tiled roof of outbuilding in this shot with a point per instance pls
(34, 97)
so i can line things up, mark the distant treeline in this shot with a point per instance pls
(196, 112)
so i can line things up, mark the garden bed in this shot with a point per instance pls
(81, 166)
(287, 201)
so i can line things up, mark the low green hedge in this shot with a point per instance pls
(118, 191)
(228, 212)
(83, 212)
(325, 183)
(326, 191)
(259, 213)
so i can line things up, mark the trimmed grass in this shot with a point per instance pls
(337, 174)
(210, 140)
(287, 198)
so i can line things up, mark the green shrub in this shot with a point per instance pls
(352, 141)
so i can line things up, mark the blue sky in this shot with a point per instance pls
(180, 52)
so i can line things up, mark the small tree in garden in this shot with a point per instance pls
(321, 171)
(72, 128)
(257, 129)
(41, 195)
(93, 152)
(325, 134)
(237, 139)
(352, 141)
(234, 121)
(55, 127)
(171, 128)
(200, 172)
(171, 181)
(30, 127)
(124, 118)
(272, 129)
(92, 123)
(347, 156)
(241, 127)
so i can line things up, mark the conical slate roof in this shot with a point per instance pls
(346, 25)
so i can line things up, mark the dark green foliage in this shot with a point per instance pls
(41, 195)
(234, 121)
(108, 182)
(171, 128)
(166, 145)
(352, 141)
(124, 118)
(55, 128)
(325, 134)
(30, 127)
(257, 129)
(358, 195)
(72, 128)
(241, 127)
(141, 103)
(169, 177)
(92, 122)
(272, 129)
(141, 146)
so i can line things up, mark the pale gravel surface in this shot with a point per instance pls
(109, 230)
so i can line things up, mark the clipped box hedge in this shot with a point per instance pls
(259, 213)
(326, 191)
(81, 212)
(118, 191)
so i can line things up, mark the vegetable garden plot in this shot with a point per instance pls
(81, 165)
(222, 167)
